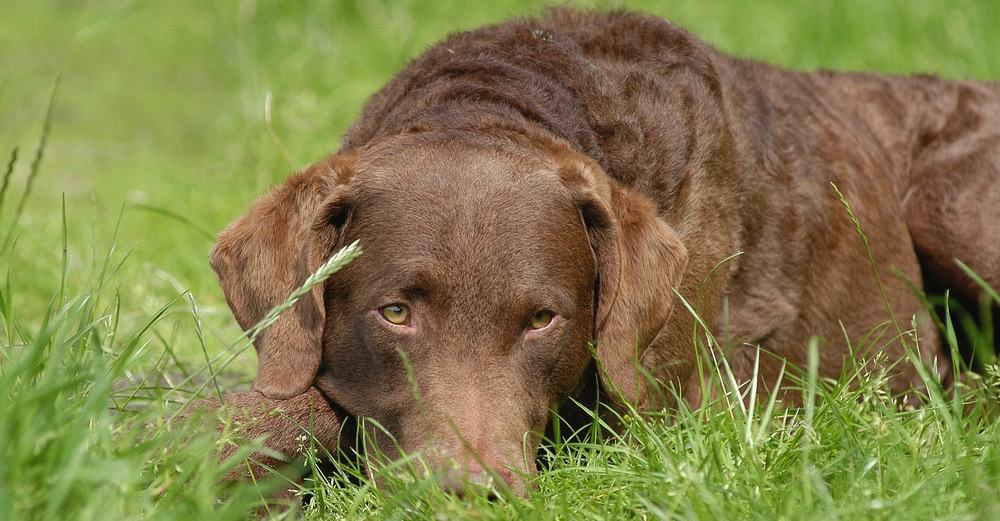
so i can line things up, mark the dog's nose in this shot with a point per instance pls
(468, 483)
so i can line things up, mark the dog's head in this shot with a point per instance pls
(489, 267)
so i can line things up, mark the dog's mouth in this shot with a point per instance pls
(479, 475)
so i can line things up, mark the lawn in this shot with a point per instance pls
(141, 128)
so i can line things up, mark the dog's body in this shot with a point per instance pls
(505, 151)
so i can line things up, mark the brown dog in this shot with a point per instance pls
(525, 189)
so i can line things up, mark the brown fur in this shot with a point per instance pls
(287, 426)
(593, 164)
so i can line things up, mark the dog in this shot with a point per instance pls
(550, 201)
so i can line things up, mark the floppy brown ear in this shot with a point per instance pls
(264, 255)
(640, 260)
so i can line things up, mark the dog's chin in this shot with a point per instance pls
(491, 484)
(464, 483)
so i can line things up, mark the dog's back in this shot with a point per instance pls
(743, 156)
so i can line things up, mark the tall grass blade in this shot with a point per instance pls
(993, 294)
(334, 264)
(8, 174)
(35, 167)
(871, 258)
(174, 216)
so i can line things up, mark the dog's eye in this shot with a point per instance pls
(540, 319)
(395, 313)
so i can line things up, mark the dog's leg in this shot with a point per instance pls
(287, 426)
(953, 204)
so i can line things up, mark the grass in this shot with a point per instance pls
(170, 117)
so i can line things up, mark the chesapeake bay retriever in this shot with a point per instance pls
(526, 190)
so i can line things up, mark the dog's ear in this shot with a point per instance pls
(640, 260)
(270, 251)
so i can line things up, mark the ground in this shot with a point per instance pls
(169, 117)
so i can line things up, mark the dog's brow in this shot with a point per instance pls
(415, 292)
(413, 282)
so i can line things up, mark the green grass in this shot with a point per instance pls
(158, 137)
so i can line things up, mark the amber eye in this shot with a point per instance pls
(395, 313)
(540, 319)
